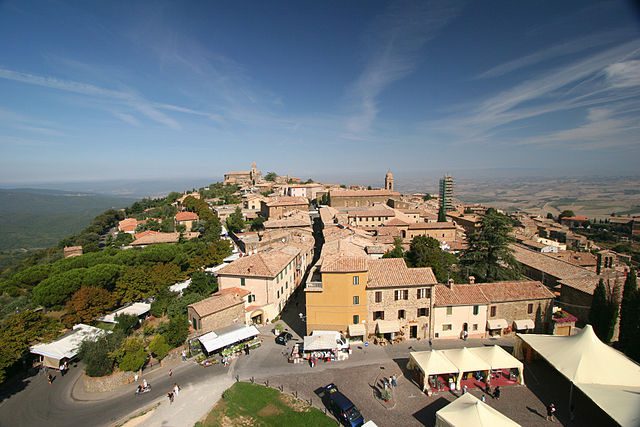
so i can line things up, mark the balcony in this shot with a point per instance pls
(313, 286)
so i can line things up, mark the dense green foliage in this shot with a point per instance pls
(442, 215)
(235, 221)
(489, 257)
(425, 252)
(176, 331)
(226, 194)
(257, 224)
(89, 238)
(18, 331)
(131, 355)
(397, 251)
(270, 176)
(565, 214)
(99, 354)
(604, 312)
(87, 304)
(630, 317)
(159, 347)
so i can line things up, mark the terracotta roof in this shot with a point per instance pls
(548, 264)
(263, 264)
(362, 193)
(234, 291)
(186, 216)
(238, 173)
(575, 218)
(128, 224)
(343, 264)
(515, 291)
(395, 222)
(216, 303)
(151, 239)
(432, 226)
(145, 233)
(371, 212)
(388, 272)
(458, 295)
(287, 201)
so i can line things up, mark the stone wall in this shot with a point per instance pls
(107, 383)
(518, 310)
(391, 307)
(221, 319)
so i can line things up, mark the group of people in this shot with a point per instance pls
(64, 367)
(391, 382)
(174, 392)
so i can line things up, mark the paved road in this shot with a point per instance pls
(41, 404)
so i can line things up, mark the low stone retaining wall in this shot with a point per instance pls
(108, 383)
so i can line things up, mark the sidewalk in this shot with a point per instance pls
(192, 404)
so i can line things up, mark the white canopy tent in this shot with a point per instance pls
(465, 361)
(212, 341)
(524, 324)
(498, 358)
(320, 342)
(430, 363)
(135, 309)
(606, 376)
(66, 347)
(467, 410)
(358, 330)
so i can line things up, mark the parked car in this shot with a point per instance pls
(283, 338)
(343, 408)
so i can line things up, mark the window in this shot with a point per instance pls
(356, 319)
(401, 294)
(530, 308)
(356, 300)
(277, 294)
(446, 327)
(424, 293)
(194, 321)
(242, 281)
(476, 310)
(378, 296)
(378, 315)
(356, 280)
(474, 327)
(401, 314)
(449, 311)
(493, 311)
(251, 298)
(423, 312)
(286, 285)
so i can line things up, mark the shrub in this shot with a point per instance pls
(131, 355)
(98, 354)
(126, 323)
(177, 331)
(159, 347)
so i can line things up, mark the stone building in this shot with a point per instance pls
(343, 198)
(250, 177)
(220, 310)
(457, 308)
(187, 219)
(71, 251)
(277, 207)
(399, 298)
(441, 231)
(388, 181)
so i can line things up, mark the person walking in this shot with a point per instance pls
(483, 398)
(61, 369)
(170, 373)
(170, 396)
(496, 393)
(50, 379)
(551, 410)
(394, 381)
(176, 389)
(184, 355)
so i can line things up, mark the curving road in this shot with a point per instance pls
(41, 404)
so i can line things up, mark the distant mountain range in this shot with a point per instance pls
(38, 218)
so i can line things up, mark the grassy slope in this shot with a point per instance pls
(251, 404)
(40, 218)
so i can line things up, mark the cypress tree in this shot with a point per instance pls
(628, 319)
(597, 313)
(442, 216)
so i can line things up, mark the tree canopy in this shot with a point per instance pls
(270, 176)
(397, 251)
(489, 257)
(235, 221)
(425, 252)
(629, 314)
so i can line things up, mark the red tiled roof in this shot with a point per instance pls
(362, 193)
(234, 291)
(458, 295)
(388, 272)
(432, 226)
(575, 218)
(343, 264)
(263, 264)
(186, 216)
(216, 303)
(128, 224)
(145, 233)
(287, 201)
(515, 291)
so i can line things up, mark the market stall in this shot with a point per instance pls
(358, 332)
(324, 347)
(432, 371)
(505, 369)
(467, 410)
(55, 353)
(228, 342)
(473, 370)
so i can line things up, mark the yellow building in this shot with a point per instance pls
(340, 298)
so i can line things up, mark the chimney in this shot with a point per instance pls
(450, 283)
(472, 280)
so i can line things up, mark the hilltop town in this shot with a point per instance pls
(331, 271)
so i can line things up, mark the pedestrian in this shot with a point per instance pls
(483, 398)
(465, 334)
(66, 366)
(394, 381)
(50, 379)
(246, 349)
(61, 368)
(170, 373)
(464, 389)
(176, 389)
(551, 410)
(135, 378)
(430, 343)
(184, 355)
(496, 393)
(144, 383)
(170, 396)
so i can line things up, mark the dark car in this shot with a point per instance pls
(283, 338)
(343, 408)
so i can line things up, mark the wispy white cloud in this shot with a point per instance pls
(606, 78)
(394, 40)
(568, 48)
(127, 118)
(13, 120)
(149, 109)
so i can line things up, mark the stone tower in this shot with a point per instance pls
(254, 173)
(388, 181)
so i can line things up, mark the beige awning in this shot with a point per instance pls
(388, 326)
(523, 324)
(496, 324)
(357, 330)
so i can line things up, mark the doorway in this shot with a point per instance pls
(413, 331)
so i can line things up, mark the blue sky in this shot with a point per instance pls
(113, 90)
